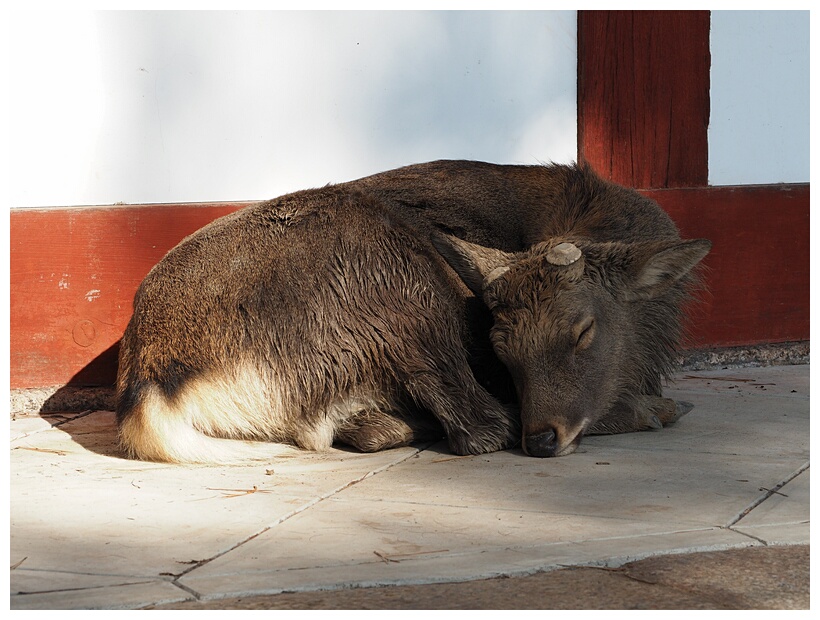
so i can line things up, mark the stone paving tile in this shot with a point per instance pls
(436, 506)
(30, 424)
(74, 508)
(734, 424)
(655, 487)
(786, 504)
(91, 529)
(236, 575)
(120, 596)
(783, 518)
(772, 381)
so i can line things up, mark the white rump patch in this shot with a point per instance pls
(202, 423)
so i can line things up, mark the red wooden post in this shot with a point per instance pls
(643, 96)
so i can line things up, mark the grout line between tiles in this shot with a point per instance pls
(283, 518)
(760, 540)
(80, 415)
(764, 496)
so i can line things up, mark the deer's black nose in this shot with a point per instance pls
(542, 445)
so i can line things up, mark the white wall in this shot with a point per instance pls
(140, 107)
(759, 126)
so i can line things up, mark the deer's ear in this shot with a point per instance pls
(476, 265)
(664, 267)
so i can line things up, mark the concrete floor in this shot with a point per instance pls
(90, 529)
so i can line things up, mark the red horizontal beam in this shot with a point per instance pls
(74, 273)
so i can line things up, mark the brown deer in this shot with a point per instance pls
(516, 208)
(332, 315)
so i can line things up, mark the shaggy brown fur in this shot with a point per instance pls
(315, 317)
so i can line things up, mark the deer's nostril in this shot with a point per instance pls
(542, 445)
